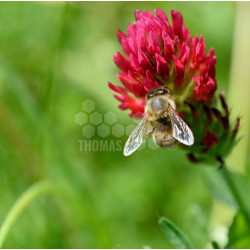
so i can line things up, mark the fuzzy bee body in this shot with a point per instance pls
(158, 102)
(163, 137)
(161, 121)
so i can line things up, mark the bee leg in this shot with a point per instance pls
(150, 130)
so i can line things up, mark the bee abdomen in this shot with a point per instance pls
(163, 142)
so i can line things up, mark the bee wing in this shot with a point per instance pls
(136, 137)
(181, 130)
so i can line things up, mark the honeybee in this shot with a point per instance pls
(161, 121)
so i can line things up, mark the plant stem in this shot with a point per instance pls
(240, 85)
(236, 194)
(24, 200)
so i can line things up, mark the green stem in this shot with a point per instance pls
(24, 200)
(240, 85)
(55, 62)
(236, 194)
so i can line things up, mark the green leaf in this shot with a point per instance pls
(176, 237)
(215, 245)
(219, 188)
(238, 235)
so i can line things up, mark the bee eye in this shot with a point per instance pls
(150, 95)
(163, 91)
(156, 92)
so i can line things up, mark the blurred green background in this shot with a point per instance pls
(53, 56)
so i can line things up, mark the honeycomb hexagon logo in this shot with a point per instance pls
(81, 118)
(118, 130)
(95, 118)
(88, 131)
(103, 130)
(94, 123)
(110, 118)
(88, 106)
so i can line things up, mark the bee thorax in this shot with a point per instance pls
(157, 104)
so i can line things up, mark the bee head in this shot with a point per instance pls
(157, 92)
(157, 101)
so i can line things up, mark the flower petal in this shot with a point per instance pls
(153, 45)
(179, 71)
(122, 62)
(162, 65)
(178, 24)
(143, 60)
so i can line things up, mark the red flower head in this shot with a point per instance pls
(158, 54)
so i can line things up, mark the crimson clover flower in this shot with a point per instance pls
(158, 54)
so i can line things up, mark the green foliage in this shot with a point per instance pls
(177, 238)
(215, 245)
(53, 56)
(238, 235)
